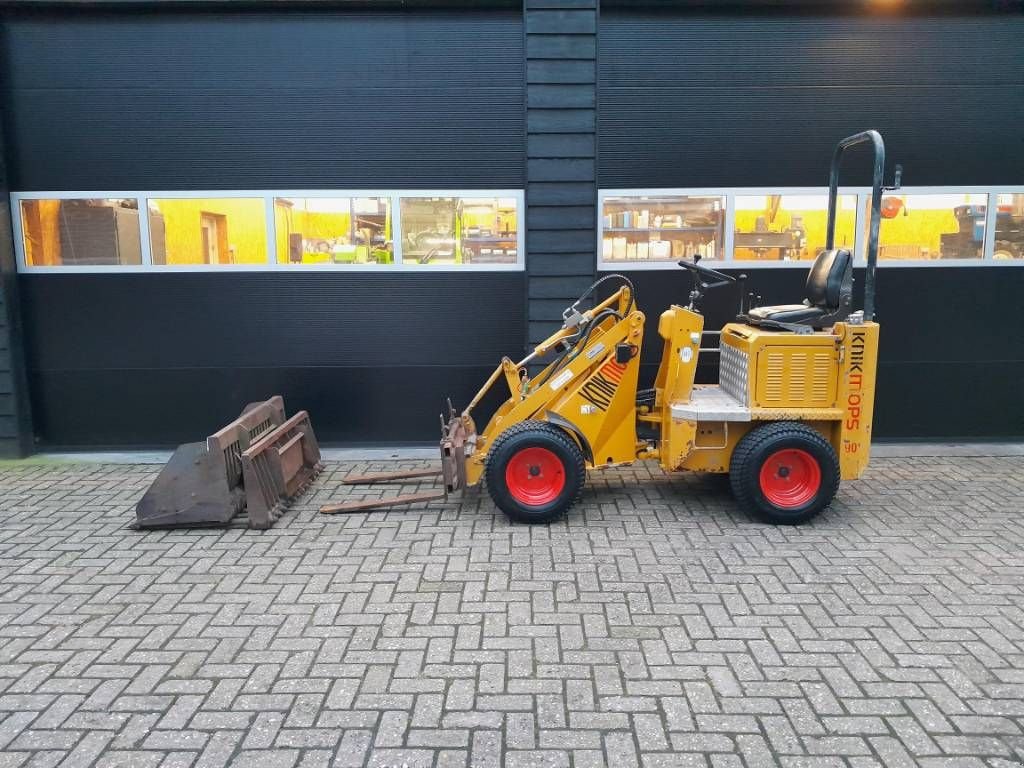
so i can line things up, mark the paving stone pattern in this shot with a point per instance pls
(656, 626)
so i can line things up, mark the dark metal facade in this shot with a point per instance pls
(558, 98)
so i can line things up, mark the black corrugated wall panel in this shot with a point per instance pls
(140, 360)
(263, 100)
(692, 99)
(258, 100)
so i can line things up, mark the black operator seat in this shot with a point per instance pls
(829, 293)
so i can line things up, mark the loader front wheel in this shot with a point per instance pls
(535, 472)
(784, 473)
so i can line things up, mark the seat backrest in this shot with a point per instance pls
(825, 280)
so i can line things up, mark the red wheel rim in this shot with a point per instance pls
(790, 478)
(535, 476)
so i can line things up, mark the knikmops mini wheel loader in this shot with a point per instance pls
(789, 418)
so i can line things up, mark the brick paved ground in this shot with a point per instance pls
(657, 626)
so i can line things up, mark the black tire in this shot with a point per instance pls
(542, 451)
(801, 477)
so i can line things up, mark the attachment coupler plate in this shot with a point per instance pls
(456, 437)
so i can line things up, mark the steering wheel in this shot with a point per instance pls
(706, 273)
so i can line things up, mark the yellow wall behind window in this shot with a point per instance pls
(311, 225)
(41, 229)
(920, 228)
(815, 224)
(183, 237)
(490, 220)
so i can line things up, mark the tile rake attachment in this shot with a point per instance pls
(255, 466)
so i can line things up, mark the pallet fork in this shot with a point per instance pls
(255, 465)
(452, 474)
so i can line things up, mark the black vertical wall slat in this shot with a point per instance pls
(15, 416)
(561, 149)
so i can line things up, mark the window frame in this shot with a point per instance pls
(273, 263)
(863, 196)
(727, 235)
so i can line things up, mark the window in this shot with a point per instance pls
(931, 226)
(372, 229)
(81, 232)
(190, 231)
(1009, 237)
(662, 227)
(459, 230)
(782, 227)
(333, 230)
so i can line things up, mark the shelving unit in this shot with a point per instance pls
(663, 228)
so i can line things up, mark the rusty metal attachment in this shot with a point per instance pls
(455, 440)
(255, 465)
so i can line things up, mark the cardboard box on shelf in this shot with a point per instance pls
(619, 248)
(661, 249)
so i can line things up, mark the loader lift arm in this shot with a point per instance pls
(575, 328)
(588, 340)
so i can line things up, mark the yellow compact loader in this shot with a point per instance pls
(789, 418)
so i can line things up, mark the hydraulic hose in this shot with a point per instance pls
(579, 340)
(579, 344)
(614, 276)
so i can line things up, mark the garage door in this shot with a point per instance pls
(163, 333)
(757, 97)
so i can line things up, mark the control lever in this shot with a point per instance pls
(742, 280)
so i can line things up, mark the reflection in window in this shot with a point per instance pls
(788, 227)
(1009, 241)
(335, 230)
(459, 230)
(84, 232)
(662, 228)
(931, 226)
(208, 231)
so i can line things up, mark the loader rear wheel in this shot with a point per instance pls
(535, 472)
(784, 473)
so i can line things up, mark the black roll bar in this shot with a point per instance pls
(876, 207)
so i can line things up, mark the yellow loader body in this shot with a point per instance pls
(825, 379)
